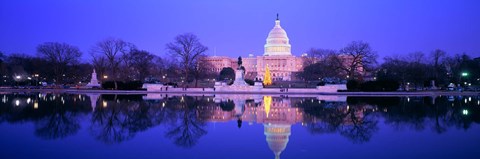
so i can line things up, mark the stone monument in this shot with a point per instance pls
(239, 83)
(239, 75)
(94, 81)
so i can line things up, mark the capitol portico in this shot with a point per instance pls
(277, 57)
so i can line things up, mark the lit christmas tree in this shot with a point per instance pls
(267, 80)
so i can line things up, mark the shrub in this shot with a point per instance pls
(381, 85)
(227, 105)
(250, 82)
(321, 84)
(352, 85)
(130, 85)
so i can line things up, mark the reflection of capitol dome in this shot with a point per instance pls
(277, 137)
(277, 41)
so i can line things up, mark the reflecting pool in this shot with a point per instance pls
(236, 126)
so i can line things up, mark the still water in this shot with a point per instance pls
(45, 125)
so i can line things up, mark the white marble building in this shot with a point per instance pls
(277, 57)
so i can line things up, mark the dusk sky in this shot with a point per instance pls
(238, 28)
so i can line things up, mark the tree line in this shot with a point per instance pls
(114, 60)
(117, 61)
(358, 63)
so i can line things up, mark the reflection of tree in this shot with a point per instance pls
(361, 129)
(227, 105)
(57, 125)
(55, 116)
(108, 123)
(330, 117)
(188, 128)
(419, 113)
(59, 118)
(120, 117)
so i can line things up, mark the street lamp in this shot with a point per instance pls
(463, 74)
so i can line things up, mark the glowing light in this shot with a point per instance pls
(469, 99)
(104, 104)
(163, 104)
(408, 99)
(465, 112)
(4, 99)
(17, 102)
(267, 101)
(464, 74)
(18, 77)
(28, 101)
(35, 105)
(267, 80)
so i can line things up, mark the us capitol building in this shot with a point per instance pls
(277, 57)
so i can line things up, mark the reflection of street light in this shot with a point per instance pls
(18, 77)
(464, 74)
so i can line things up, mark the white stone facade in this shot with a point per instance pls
(277, 56)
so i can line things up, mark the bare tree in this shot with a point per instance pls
(187, 48)
(139, 62)
(202, 70)
(357, 57)
(113, 50)
(100, 65)
(416, 57)
(438, 57)
(59, 55)
(315, 55)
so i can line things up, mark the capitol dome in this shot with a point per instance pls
(277, 41)
(277, 137)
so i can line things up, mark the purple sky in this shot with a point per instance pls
(240, 27)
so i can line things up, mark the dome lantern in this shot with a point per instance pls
(277, 41)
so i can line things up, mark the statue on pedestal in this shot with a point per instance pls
(94, 81)
(239, 74)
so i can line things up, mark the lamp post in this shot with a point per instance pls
(18, 78)
(36, 79)
(465, 75)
